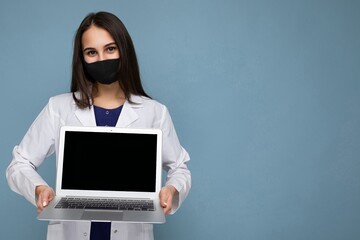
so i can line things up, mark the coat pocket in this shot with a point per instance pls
(68, 230)
(55, 231)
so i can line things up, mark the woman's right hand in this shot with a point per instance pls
(44, 196)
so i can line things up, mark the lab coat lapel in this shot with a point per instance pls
(86, 116)
(128, 114)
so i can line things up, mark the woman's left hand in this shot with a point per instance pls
(167, 194)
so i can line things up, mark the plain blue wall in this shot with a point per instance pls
(264, 95)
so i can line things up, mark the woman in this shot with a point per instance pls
(105, 90)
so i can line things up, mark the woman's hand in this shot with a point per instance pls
(167, 194)
(44, 196)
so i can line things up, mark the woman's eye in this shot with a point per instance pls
(91, 53)
(111, 49)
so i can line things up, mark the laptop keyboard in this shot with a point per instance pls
(106, 204)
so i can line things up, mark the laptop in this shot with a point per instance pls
(107, 174)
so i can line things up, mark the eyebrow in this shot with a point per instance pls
(106, 45)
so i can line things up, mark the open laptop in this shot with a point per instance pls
(107, 174)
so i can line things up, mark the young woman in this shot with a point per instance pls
(106, 90)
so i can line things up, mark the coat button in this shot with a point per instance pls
(85, 234)
(115, 231)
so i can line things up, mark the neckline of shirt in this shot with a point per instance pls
(107, 109)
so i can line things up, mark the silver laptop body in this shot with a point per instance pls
(107, 174)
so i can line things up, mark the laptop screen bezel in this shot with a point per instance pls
(108, 194)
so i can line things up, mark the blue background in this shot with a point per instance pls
(264, 96)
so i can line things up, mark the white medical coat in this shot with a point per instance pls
(42, 140)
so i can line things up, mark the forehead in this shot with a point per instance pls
(96, 37)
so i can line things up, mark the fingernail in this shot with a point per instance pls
(165, 204)
(44, 203)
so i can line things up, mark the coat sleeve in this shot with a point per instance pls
(37, 144)
(175, 160)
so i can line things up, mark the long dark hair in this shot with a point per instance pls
(129, 74)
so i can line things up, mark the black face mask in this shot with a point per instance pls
(104, 72)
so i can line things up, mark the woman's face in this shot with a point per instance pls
(98, 45)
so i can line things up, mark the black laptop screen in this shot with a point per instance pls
(109, 161)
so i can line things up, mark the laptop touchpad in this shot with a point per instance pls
(104, 216)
